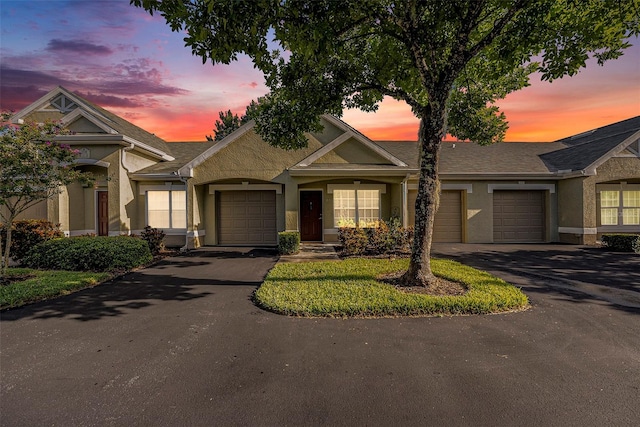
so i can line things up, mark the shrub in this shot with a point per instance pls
(89, 254)
(388, 237)
(288, 242)
(622, 242)
(25, 234)
(354, 240)
(154, 238)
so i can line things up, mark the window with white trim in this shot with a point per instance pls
(167, 209)
(351, 207)
(620, 207)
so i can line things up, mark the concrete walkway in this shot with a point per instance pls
(313, 252)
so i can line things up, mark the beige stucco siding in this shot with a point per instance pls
(251, 158)
(352, 151)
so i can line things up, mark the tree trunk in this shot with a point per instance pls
(430, 134)
(5, 260)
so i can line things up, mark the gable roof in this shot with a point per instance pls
(183, 152)
(587, 150)
(111, 123)
(349, 133)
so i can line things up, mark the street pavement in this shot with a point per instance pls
(183, 344)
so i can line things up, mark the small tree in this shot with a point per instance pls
(229, 122)
(33, 168)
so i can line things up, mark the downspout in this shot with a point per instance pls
(405, 202)
(185, 180)
(126, 167)
(123, 157)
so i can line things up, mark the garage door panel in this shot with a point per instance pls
(247, 218)
(447, 227)
(518, 216)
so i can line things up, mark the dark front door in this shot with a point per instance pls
(103, 213)
(311, 215)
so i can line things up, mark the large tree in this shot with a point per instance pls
(33, 168)
(449, 60)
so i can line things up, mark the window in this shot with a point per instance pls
(351, 207)
(609, 202)
(620, 205)
(167, 209)
(631, 208)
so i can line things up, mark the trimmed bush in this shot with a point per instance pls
(25, 234)
(90, 254)
(354, 240)
(622, 242)
(288, 242)
(388, 237)
(154, 238)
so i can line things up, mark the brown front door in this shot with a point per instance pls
(103, 213)
(311, 215)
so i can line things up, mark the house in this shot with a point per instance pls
(241, 191)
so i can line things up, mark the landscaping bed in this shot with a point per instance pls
(356, 288)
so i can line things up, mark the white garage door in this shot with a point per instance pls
(247, 218)
(518, 216)
(447, 227)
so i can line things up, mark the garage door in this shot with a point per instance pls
(247, 218)
(518, 216)
(447, 227)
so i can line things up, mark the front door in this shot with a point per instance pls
(103, 213)
(311, 216)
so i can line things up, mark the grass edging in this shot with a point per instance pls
(45, 284)
(350, 289)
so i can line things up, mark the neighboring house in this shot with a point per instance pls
(241, 191)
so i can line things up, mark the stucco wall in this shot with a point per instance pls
(578, 198)
(352, 151)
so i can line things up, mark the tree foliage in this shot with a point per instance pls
(33, 167)
(449, 60)
(229, 122)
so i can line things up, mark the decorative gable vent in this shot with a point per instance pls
(64, 104)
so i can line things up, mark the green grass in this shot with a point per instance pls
(45, 284)
(350, 289)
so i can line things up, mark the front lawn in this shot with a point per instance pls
(43, 284)
(350, 288)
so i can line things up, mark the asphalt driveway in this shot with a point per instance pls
(182, 344)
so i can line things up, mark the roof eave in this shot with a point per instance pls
(352, 172)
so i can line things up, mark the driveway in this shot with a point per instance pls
(182, 344)
(584, 272)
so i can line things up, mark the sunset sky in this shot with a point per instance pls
(130, 63)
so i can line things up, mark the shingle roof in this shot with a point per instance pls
(469, 157)
(183, 152)
(577, 152)
(124, 127)
(586, 148)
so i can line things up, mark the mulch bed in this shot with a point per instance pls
(441, 287)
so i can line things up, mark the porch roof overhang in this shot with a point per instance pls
(157, 177)
(352, 171)
(502, 176)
